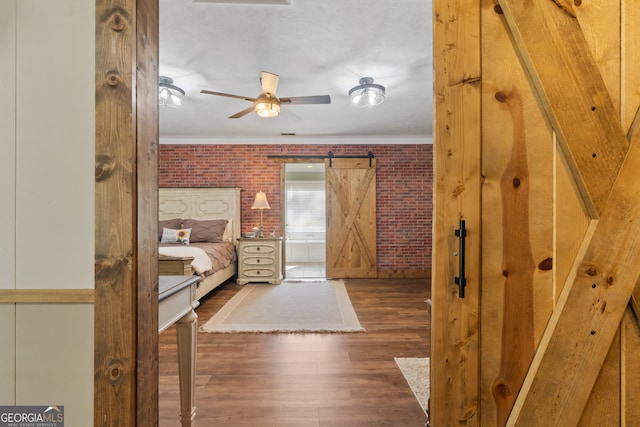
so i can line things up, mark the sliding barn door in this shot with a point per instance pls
(537, 147)
(351, 217)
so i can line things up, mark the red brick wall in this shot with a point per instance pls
(404, 189)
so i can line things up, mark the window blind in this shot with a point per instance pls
(305, 206)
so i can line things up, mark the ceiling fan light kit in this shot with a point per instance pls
(367, 94)
(168, 94)
(267, 104)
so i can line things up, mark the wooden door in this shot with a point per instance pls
(351, 217)
(539, 139)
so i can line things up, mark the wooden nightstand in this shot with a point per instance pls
(260, 260)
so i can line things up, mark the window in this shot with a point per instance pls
(305, 206)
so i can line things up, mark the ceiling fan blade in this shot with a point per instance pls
(208, 92)
(269, 83)
(243, 112)
(318, 99)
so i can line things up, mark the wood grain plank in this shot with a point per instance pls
(552, 47)
(25, 296)
(630, 73)
(580, 333)
(630, 118)
(573, 226)
(603, 406)
(517, 222)
(146, 184)
(457, 141)
(634, 128)
(631, 97)
(562, 345)
(600, 23)
(404, 274)
(630, 411)
(115, 216)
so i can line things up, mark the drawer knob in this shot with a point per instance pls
(258, 272)
(258, 249)
(258, 260)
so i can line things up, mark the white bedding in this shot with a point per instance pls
(201, 261)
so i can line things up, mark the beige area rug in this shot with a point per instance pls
(288, 307)
(416, 372)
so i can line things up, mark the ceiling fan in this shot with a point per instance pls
(267, 104)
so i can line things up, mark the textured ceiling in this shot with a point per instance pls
(317, 47)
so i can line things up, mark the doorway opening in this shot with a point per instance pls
(305, 220)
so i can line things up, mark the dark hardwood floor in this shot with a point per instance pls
(300, 380)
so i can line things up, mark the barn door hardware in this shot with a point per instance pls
(332, 156)
(460, 280)
(329, 156)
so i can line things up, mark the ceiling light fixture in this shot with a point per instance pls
(267, 106)
(367, 94)
(168, 94)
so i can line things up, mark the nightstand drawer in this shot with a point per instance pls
(259, 273)
(258, 249)
(259, 260)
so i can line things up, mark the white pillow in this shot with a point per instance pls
(228, 232)
(170, 235)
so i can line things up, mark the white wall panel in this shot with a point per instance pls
(55, 143)
(55, 362)
(7, 195)
(53, 183)
(7, 354)
(8, 145)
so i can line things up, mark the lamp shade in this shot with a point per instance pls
(367, 94)
(168, 94)
(260, 202)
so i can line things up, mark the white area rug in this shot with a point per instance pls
(287, 307)
(416, 372)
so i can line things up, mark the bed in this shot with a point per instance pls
(202, 211)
